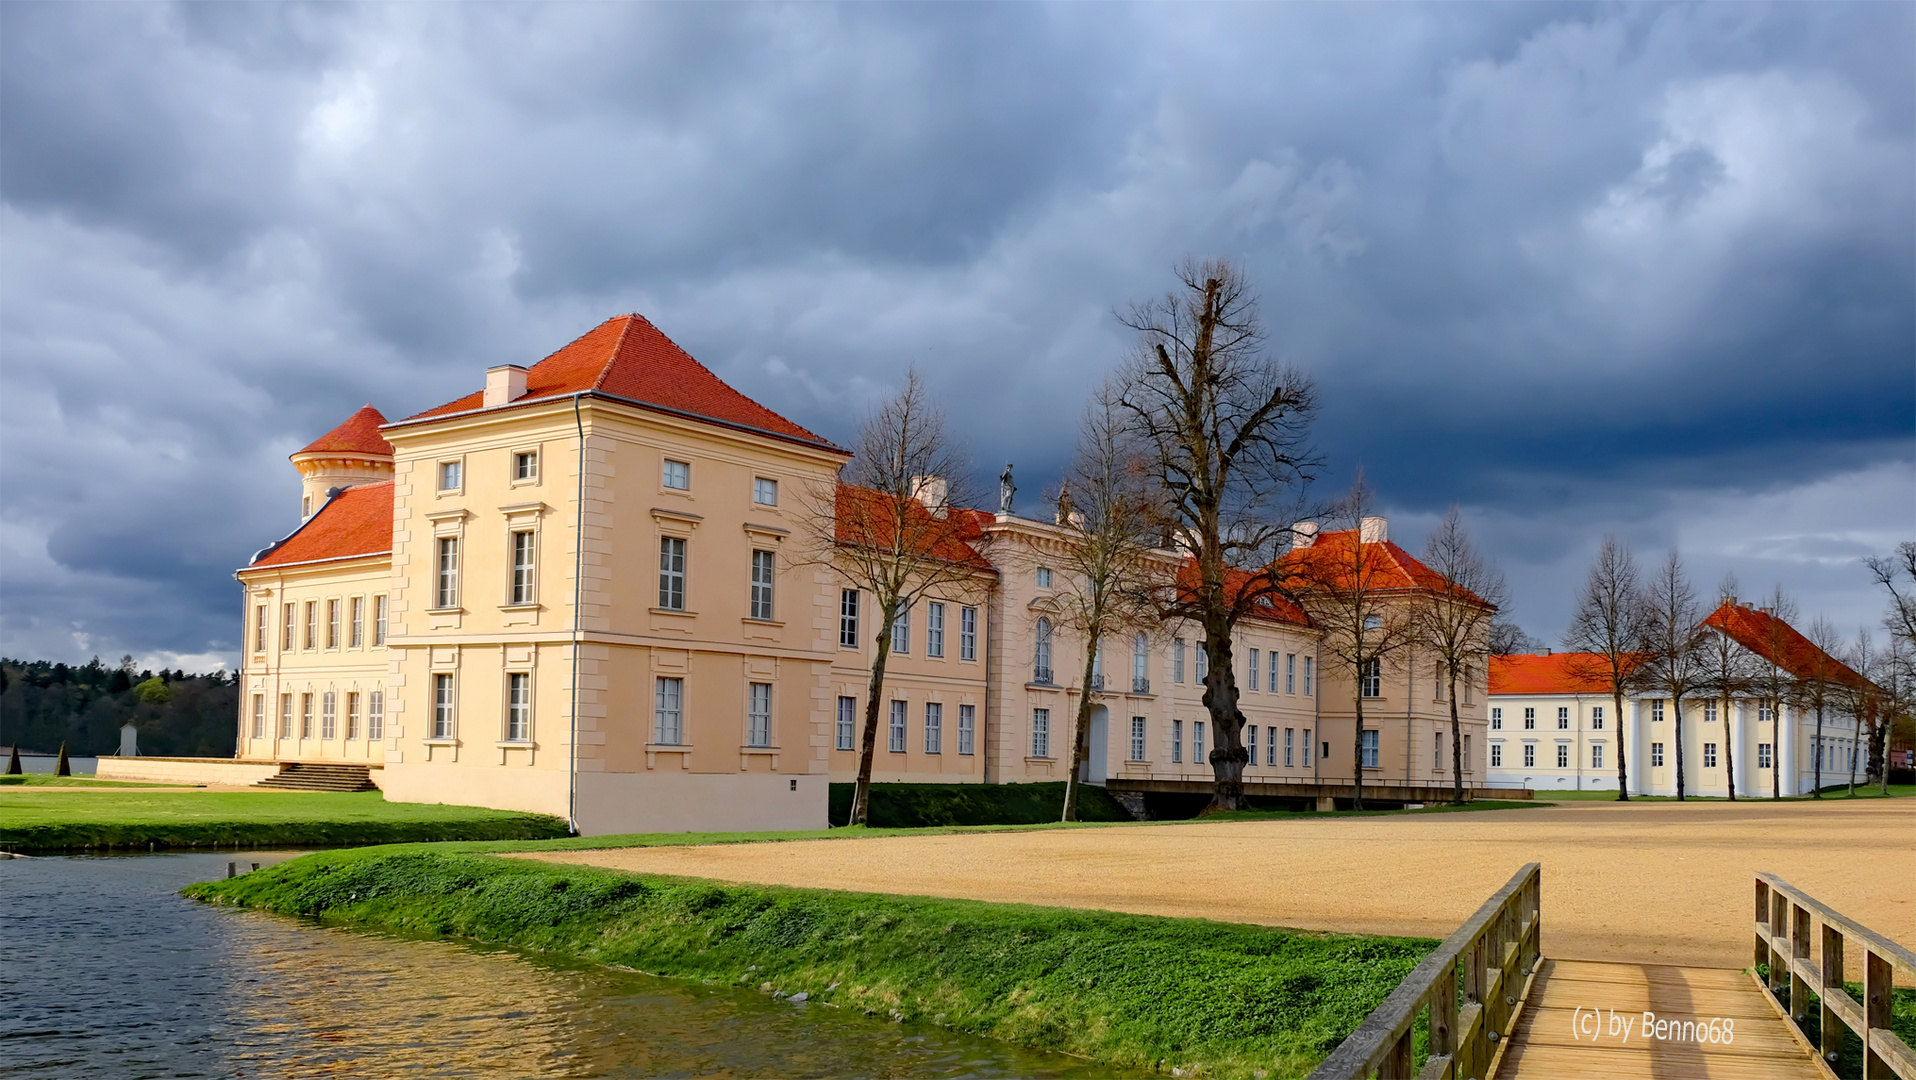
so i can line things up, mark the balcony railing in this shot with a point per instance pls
(1140, 684)
(1097, 682)
(1041, 675)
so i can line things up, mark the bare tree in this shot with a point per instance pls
(1726, 673)
(1817, 685)
(1347, 589)
(1774, 685)
(1896, 676)
(1453, 621)
(1108, 570)
(1608, 626)
(1224, 430)
(887, 528)
(1900, 620)
(1672, 659)
(1507, 638)
(1862, 700)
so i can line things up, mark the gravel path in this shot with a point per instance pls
(1663, 883)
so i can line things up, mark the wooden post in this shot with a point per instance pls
(1763, 917)
(1443, 1014)
(1832, 1025)
(1779, 928)
(1396, 1066)
(1799, 949)
(1876, 982)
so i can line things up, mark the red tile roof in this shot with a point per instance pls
(867, 518)
(358, 435)
(358, 522)
(1558, 673)
(1778, 642)
(627, 357)
(1269, 608)
(1390, 567)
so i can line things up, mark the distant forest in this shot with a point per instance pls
(44, 704)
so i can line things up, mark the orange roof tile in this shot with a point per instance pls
(1392, 567)
(357, 522)
(627, 357)
(1268, 608)
(1557, 673)
(358, 435)
(1778, 642)
(866, 518)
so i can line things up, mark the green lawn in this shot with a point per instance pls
(1896, 791)
(49, 780)
(49, 819)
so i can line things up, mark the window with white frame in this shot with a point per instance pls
(1041, 733)
(901, 630)
(1310, 742)
(1137, 738)
(312, 625)
(1310, 664)
(329, 716)
(286, 716)
(1496, 755)
(305, 716)
(935, 629)
(376, 715)
(1202, 665)
(1272, 686)
(1177, 741)
(1709, 755)
(668, 711)
(1563, 755)
(676, 475)
(379, 620)
(1563, 718)
(758, 714)
(450, 475)
(1250, 742)
(446, 592)
(1466, 752)
(934, 727)
(763, 569)
(1372, 681)
(847, 717)
(1044, 577)
(765, 491)
(672, 573)
(1370, 748)
(848, 618)
(967, 728)
(1197, 742)
(525, 465)
(524, 575)
(968, 633)
(1763, 713)
(259, 716)
(1596, 755)
(1762, 755)
(352, 715)
(1596, 718)
(1437, 751)
(356, 625)
(442, 705)
(259, 629)
(1140, 663)
(1373, 622)
(1290, 673)
(1529, 755)
(1529, 719)
(897, 741)
(332, 624)
(286, 635)
(1656, 753)
(518, 707)
(1270, 746)
(1177, 661)
(1496, 718)
(1041, 662)
(1656, 711)
(1289, 734)
(1709, 712)
(1250, 669)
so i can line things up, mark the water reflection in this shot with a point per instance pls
(108, 972)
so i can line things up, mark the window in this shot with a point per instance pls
(1273, 666)
(259, 629)
(1470, 680)
(1656, 711)
(312, 624)
(758, 714)
(1762, 755)
(1763, 713)
(967, 728)
(525, 465)
(1289, 735)
(1596, 718)
(1437, 751)
(1197, 742)
(1369, 742)
(1529, 755)
(762, 570)
(668, 712)
(328, 715)
(1044, 577)
(897, 727)
(901, 630)
(764, 491)
(677, 475)
(1177, 741)
(934, 727)
(352, 716)
(1529, 719)
(1140, 663)
(1250, 743)
(1496, 755)
(332, 624)
(847, 714)
(1041, 664)
(968, 633)
(1137, 738)
(286, 634)
(259, 716)
(934, 629)
(450, 473)
(672, 573)
(379, 620)
(1041, 733)
(1309, 663)
(1308, 743)
(286, 716)
(1250, 668)
(1563, 755)
(1596, 756)
(518, 707)
(1656, 753)
(1496, 719)
(1290, 673)
(356, 627)
(522, 567)
(1097, 666)
(305, 716)
(376, 715)
(306, 506)
(447, 595)
(1709, 755)
(1372, 682)
(1201, 662)
(1177, 661)
(1709, 712)
(848, 618)
(1563, 718)
(442, 706)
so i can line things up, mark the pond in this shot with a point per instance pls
(109, 972)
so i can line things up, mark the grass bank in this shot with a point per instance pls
(1896, 791)
(1129, 990)
(51, 819)
(918, 806)
(49, 780)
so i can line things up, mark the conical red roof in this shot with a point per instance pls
(358, 435)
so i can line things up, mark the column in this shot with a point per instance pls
(1785, 736)
(1637, 764)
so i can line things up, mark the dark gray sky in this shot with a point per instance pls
(1649, 270)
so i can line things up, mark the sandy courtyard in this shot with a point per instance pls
(1652, 882)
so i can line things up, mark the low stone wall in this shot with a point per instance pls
(186, 770)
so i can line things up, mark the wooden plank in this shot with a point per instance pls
(1557, 1063)
(1899, 958)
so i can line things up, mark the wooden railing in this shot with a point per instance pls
(1494, 949)
(1783, 939)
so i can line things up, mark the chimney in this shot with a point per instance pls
(930, 491)
(1303, 535)
(1729, 599)
(1374, 530)
(504, 383)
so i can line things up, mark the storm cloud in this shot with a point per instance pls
(1649, 270)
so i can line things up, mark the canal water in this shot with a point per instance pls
(105, 971)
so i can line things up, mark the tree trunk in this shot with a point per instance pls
(1816, 788)
(1079, 738)
(861, 795)
(1855, 741)
(1879, 747)
(1676, 706)
(1456, 744)
(1357, 746)
(1623, 767)
(1729, 746)
(1227, 754)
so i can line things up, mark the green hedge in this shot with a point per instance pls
(1129, 990)
(918, 806)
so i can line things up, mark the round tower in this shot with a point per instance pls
(351, 454)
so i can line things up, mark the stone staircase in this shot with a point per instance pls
(306, 776)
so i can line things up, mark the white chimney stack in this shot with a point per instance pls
(1303, 535)
(505, 383)
(1374, 530)
(930, 491)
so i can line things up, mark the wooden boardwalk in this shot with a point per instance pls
(1585, 1019)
